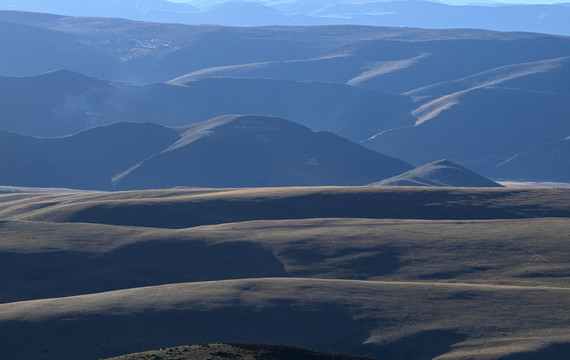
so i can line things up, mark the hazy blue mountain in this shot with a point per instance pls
(479, 97)
(53, 104)
(230, 151)
(86, 160)
(389, 59)
(480, 128)
(438, 173)
(550, 75)
(149, 10)
(247, 151)
(399, 66)
(545, 162)
(408, 13)
(65, 102)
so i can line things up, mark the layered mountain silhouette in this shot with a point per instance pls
(478, 97)
(243, 151)
(480, 128)
(438, 173)
(86, 160)
(412, 13)
(139, 52)
(66, 102)
(231, 151)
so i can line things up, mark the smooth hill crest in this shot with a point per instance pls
(248, 150)
(438, 173)
(229, 151)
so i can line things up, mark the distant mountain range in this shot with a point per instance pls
(230, 151)
(476, 97)
(66, 102)
(410, 13)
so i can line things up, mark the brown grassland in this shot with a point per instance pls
(389, 273)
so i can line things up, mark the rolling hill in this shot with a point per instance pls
(301, 267)
(438, 173)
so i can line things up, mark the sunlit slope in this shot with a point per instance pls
(43, 260)
(186, 208)
(438, 173)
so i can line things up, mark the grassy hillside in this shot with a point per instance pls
(385, 272)
(395, 320)
(194, 207)
(43, 260)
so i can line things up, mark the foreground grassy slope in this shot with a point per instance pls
(392, 273)
(43, 260)
(394, 320)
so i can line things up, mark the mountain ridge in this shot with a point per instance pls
(438, 173)
(230, 151)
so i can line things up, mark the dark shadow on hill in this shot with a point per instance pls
(552, 352)
(348, 263)
(424, 345)
(65, 273)
(447, 204)
(323, 327)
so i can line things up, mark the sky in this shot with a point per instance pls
(462, 2)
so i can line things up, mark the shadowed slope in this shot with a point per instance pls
(86, 160)
(237, 151)
(480, 128)
(343, 316)
(185, 208)
(543, 162)
(438, 173)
